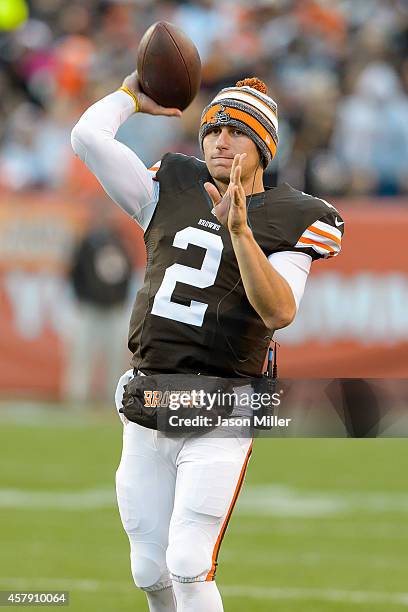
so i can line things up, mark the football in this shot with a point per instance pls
(168, 66)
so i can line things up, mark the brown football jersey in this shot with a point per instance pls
(192, 314)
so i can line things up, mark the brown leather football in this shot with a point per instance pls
(168, 65)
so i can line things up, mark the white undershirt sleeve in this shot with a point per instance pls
(294, 267)
(121, 173)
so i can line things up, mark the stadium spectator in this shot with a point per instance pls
(371, 134)
(34, 152)
(316, 56)
(100, 276)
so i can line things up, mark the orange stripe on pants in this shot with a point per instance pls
(211, 573)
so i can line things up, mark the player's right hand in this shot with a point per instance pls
(146, 104)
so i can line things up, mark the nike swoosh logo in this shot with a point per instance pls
(337, 222)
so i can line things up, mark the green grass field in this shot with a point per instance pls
(321, 524)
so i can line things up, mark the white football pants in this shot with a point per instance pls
(175, 497)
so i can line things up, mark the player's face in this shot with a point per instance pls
(220, 146)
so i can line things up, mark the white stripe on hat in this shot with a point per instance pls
(243, 97)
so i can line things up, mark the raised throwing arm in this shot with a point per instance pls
(121, 173)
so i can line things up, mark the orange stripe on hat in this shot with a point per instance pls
(244, 117)
(211, 573)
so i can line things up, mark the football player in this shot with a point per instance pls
(227, 265)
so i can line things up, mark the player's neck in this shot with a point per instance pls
(252, 186)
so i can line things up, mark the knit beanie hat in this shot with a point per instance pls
(248, 108)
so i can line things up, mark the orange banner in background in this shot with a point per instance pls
(37, 238)
(352, 322)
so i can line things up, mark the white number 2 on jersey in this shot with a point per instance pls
(204, 277)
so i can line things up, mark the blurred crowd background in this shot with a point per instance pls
(337, 68)
(71, 262)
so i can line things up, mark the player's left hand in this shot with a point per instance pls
(230, 209)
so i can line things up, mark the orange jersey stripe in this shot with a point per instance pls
(154, 168)
(210, 117)
(211, 573)
(316, 230)
(308, 241)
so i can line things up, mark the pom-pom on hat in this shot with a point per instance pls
(248, 108)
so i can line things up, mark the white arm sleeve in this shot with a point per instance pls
(121, 173)
(294, 267)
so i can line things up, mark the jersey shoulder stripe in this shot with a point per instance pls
(322, 238)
